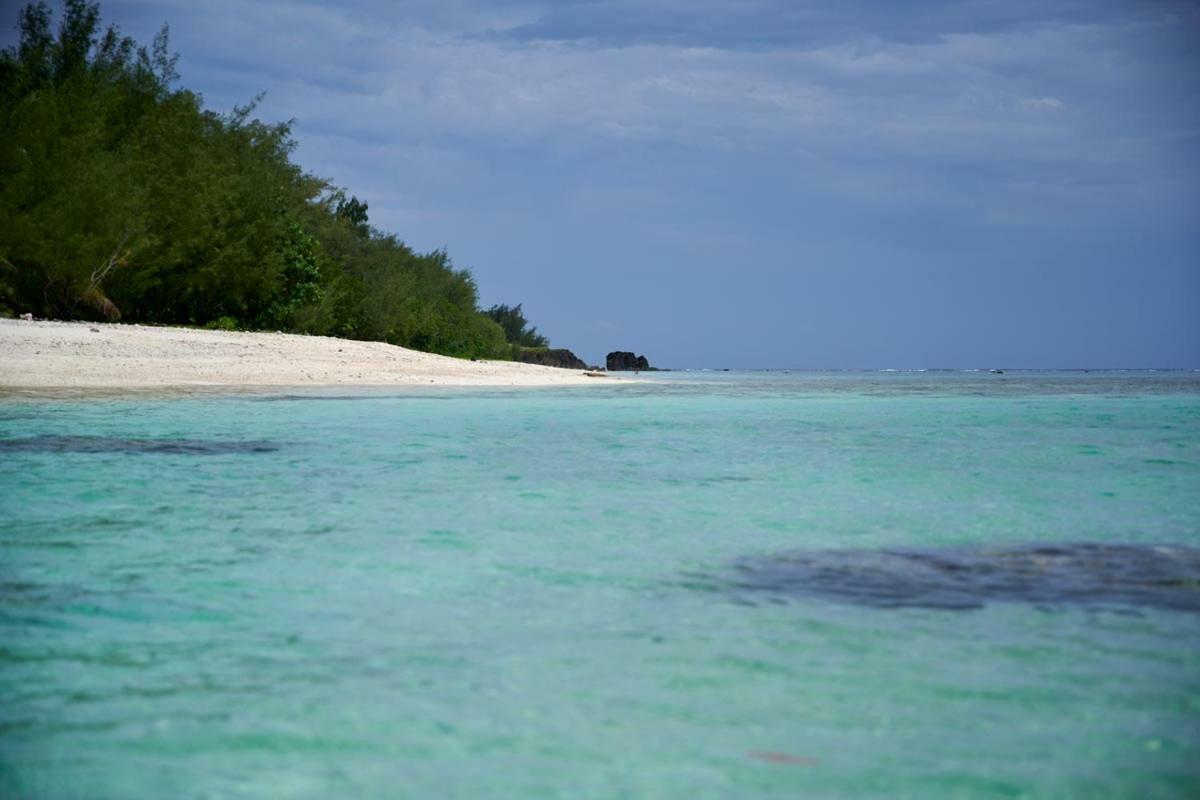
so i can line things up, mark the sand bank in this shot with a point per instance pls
(101, 356)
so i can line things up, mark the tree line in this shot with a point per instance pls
(123, 198)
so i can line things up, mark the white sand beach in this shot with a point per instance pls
(46, 354)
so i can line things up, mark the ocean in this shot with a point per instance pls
(713, 585)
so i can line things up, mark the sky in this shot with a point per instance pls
(757, 183)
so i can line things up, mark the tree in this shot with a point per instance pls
(353, 211)
(516, 328)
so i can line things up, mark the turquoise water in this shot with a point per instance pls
(524, 593)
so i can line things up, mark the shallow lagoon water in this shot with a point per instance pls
(535, 593)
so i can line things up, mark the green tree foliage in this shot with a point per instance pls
(516, 328)
(122, 197)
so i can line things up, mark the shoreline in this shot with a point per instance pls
(44, 355)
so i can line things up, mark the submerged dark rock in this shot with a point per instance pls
(624, 361)
(552, 357)
(118, 444)
(1079, 573)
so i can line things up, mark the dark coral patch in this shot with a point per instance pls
(119, 444)
(965, 578)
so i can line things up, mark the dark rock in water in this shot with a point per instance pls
(624, 361)
(117, 444)
(966, 578)
(547, 357)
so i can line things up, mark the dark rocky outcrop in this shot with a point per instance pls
(548, 357)
(624, 361)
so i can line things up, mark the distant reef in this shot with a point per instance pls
(552, 357)
(624, 361)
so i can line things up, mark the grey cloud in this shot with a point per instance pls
(975, 87)
(808, 23)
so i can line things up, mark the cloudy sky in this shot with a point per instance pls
(763, 183)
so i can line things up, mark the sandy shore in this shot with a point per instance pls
(94, 355)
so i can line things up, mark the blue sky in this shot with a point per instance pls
(758, 183)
